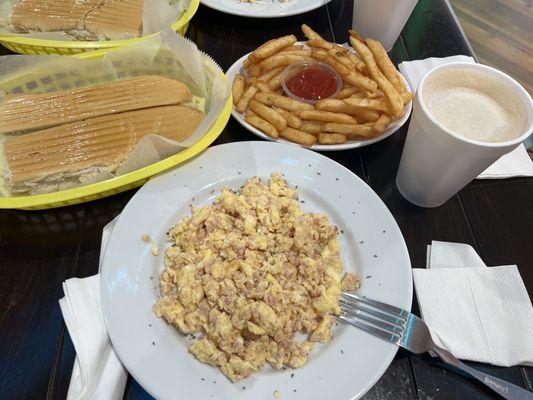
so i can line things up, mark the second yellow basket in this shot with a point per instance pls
(25, 45)
(120, 183)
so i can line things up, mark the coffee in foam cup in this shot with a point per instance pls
(465, 117)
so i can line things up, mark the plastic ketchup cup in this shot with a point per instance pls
(310, 81)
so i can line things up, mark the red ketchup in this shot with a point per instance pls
(312, 83)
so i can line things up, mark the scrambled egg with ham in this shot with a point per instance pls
(248, 272)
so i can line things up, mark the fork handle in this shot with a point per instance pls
(505, 389)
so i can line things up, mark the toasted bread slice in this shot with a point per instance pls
(116, 19)
(50, 15)
(103, 19)
(99, 143)
(23, 112)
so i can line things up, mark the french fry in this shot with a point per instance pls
(376, 95)
(367, 95)
(351, 77)
(292, 120)
(246, 97)
(320, 43)
(303, 52)
(396, 102)
(388, 69)
(267, 76)
(247, 63)
(340, 57)
(323, 44)
(348, 129)
(272, 46)
(355, 35)
(275, 83)
(273, 99)
(334, 105)
(331, 138)
(273, 62)
(340, 106)
(365, 114)
(357, 95)
(324, 56)
(347, 92)
(355, 78)
(406, 97)
(309, 33)
(312, 127)
(327, 116)
(359, 64)
(268, 114)
(372, 104)
(237, 89)
(261, 124)
(291, 48)
(381, 124)
(297, 136)
(262, 86)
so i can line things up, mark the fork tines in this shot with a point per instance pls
(379, 319)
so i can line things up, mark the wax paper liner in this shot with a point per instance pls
(167, 55)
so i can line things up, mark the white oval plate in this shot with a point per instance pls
(156, 355)
(237, 68)
(264, 8)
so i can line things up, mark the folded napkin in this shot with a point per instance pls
(414, 71)
(97, 373)
(479, 313)
(514, 164)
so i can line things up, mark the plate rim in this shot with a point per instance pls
(303, 10)
(234, 69)
(386, 361)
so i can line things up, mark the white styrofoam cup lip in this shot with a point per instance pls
(517, 86)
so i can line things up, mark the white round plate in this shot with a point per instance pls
(264, 8)
(156, 354)
(237, 68)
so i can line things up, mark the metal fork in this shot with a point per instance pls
(410, 332)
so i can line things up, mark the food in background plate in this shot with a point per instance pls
(259, 1)
(371, 97)
(75, 152)
(25, 111)
(248, 273)
(86, 19)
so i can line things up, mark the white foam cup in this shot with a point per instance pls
(381, 20)
(436, 163)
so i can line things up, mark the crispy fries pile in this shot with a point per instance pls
(372, 96)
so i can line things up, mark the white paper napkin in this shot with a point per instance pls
(452, 255)
(514, 164)
(479, 313)
(97, 373)
(414, 70)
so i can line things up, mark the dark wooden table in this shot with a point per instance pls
(39, 250)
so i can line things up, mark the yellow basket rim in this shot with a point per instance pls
(49, 199)
(87, 45)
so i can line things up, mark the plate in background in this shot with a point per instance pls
(264, 8)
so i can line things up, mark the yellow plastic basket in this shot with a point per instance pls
(25, 45)
(120, 183)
